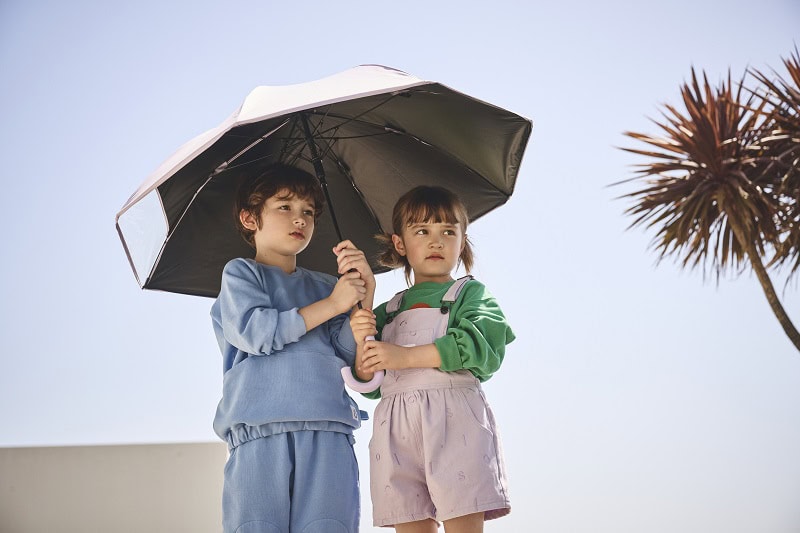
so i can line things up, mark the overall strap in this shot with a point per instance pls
(455, 289)
(452, 293)
(447, 300)
(394, 304)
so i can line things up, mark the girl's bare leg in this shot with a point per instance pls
(471, 523)
(420, 526)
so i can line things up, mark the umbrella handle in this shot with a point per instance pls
(360, 386)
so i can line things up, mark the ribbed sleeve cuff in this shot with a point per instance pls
(296, 326)
(448, 352)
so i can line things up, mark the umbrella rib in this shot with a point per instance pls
(346, 172)
(175, 226)
(389, 130)
(292, 142)
(328, 152)
(290, 147)
(298, 142)
(226, 164)
(342, 137)
(319, 133)
(316, 134)
(320, 171)
(356, 118)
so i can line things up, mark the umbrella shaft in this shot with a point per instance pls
(319, 170)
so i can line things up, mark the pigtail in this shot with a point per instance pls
(389, 257)
(467, 257)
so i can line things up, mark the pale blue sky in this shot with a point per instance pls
(636, 399)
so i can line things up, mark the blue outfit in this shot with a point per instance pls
(284, 411)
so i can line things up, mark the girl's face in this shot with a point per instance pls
(432, 249)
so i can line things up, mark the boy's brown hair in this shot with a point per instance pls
(424, 204)
(254, 191)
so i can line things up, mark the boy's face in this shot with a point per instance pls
(286, 226)
(432, 249)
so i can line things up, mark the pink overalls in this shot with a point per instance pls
(435, 452)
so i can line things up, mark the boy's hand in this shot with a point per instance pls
(362, 323)
(348, 291)
(348, 257)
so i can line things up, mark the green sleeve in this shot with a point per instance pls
(477, 334)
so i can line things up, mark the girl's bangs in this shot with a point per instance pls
(438, 213)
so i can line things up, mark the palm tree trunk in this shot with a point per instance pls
(769, 290)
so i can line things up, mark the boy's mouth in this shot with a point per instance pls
(298, 235)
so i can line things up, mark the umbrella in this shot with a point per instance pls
(369, 133)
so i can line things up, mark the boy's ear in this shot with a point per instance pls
(398, 244)
(248, 220)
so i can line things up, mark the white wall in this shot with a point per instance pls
(119, 489)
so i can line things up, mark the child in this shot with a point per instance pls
(435, 454)
(284, 337)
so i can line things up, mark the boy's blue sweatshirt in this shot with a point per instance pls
(274, 371)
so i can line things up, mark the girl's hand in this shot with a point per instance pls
(348, 258)
(348, 291)
(362, 323)
(379, 355)
(383, 356)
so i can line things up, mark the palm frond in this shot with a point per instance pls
(781, 153)
(703, 178)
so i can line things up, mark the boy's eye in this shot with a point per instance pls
(283, 207)
(309, 212)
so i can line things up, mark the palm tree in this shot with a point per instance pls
(706, 189)
(781, 143)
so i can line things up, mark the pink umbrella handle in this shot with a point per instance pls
(361, 386)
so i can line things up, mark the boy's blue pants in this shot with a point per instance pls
(298, 482)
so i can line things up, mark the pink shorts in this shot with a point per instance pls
(435, 452)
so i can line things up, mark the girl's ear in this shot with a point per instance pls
(398, 244)
(463, 243)
(248, 220)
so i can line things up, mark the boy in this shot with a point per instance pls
(284, 337)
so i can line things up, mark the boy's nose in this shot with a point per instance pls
(299, 221)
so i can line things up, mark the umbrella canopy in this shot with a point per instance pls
(376, 131)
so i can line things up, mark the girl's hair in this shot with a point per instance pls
(424, 204)
(255, 190)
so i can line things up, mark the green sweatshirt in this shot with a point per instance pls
(477, 331)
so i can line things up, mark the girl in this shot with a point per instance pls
(435, 454)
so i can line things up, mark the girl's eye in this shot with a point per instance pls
(420, 232)
(449, 232)
(283, 207)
